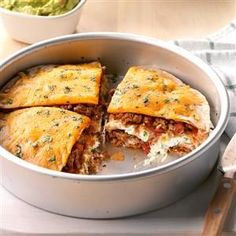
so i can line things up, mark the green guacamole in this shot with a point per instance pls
(39, 7)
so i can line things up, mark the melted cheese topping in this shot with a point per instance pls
(42, 136)
(53, 85)
(160, 94)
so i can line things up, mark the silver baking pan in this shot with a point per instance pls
(121, 191)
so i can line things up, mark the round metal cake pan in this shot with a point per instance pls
(116, 195)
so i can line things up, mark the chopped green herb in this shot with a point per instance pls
(195, 117)
(52, 87)
(52, 159)
(165, 87)
(47, 112)
(72, 69)
(93, 79)
(47, 139)
(74, 118)
(62, 75)
(35, 144)
(185, 139)
(18, 152)
(166, 100)
(118, 92)
(56, 124)
(94, 150)
(38, 112)
(45, 96)
(69, 134)
(86, 87)
(67, 90)
(146, 100)
(151, 79)
(145, 134)
(135, 86)
(9, 101)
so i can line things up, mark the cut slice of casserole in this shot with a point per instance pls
(49, 137)
(76, 88)
(154, 111)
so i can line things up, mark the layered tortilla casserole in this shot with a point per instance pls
(154, 111)
(54, 115)
(76, 88)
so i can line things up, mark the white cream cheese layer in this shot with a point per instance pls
(136, 130)
(159, 149)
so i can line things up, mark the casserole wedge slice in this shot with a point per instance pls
(155, 111)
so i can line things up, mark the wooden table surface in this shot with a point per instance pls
(162, 19)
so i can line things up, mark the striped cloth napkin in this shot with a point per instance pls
(219, 51)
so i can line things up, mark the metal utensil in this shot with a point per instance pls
(221, 202)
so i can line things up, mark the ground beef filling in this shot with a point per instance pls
(157, 126)
(121, 139)
(75, 161)
(94, 112)
(180, 150)
(83, 160)
(80, 163)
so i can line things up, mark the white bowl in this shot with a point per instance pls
(30, 28)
